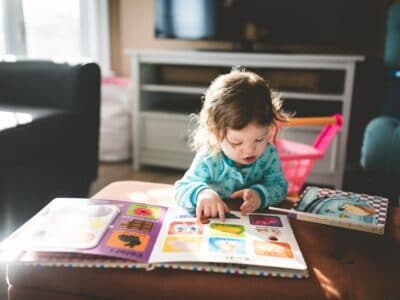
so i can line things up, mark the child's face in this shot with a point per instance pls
(244, 146)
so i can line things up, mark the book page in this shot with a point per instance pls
(70, 223)
(256, 239)
(90, 226)
(133, 233)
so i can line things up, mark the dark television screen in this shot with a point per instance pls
(337, 23)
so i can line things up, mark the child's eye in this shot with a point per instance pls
(260, 140)
(234, 143)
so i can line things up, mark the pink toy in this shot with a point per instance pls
(297, 159)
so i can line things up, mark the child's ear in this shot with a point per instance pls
(213, 139)
(272, 134)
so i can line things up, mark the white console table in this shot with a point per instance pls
(161, 109)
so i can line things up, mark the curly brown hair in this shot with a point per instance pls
(234, 100)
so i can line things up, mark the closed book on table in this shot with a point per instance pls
(339, 208)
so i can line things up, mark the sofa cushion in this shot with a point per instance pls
(27, 132)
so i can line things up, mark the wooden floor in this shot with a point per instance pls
(110, 172)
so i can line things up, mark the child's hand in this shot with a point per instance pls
(251, 200)
(209, 204)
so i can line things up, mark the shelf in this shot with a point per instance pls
(311, 96)
(229, 59)
(165, 115)
(173, 89)
(200, 90)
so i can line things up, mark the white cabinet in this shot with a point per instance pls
(166, 92)
(163, 139)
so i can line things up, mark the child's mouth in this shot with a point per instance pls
(250, 159)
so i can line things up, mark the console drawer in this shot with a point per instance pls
(167, 132)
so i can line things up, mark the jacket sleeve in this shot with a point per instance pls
(193, 182)
(273, 188)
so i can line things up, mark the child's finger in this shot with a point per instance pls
(221, 211)
(237, 194)
(206, 211)
(214, 210)
(251, 208)
(226, 208)
(246, 195)
(199, 210)
(244, 207)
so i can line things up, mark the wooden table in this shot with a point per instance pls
(343, 264)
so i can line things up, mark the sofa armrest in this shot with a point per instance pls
(381, 146)
(49, 84)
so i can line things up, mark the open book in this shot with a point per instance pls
(338, 208)
(106, 233)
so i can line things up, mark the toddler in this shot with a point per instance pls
(236, 157)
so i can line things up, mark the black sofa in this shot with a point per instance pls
(49, 132)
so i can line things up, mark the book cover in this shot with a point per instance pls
(106, 233)
(339, 208)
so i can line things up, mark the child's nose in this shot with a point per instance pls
(250, 148)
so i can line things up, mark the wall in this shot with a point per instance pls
(132, 27)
